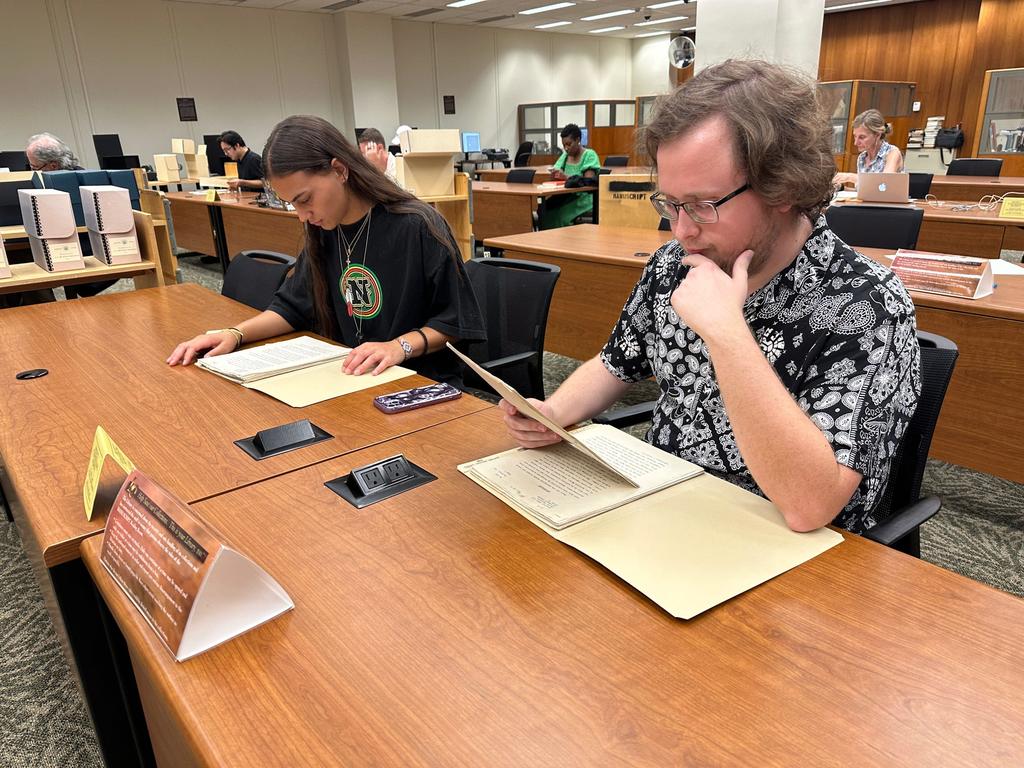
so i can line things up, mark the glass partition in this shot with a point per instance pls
(1002, 129)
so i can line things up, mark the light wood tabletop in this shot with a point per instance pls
(543, 174)
(106, 361)
(537, 190)
(442, 628)
(974, 187)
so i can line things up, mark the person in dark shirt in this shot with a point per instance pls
(250, 165)
(381, 271)
(787, 363)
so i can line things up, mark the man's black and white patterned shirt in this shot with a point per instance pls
(837, 327)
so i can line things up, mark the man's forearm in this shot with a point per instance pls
(787, 455)
(587, 392)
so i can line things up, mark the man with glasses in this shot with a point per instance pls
(250, 165)
(787, 363)
(46, 152)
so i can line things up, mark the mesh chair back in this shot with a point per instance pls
(920, 185)
(875, 227)
(617, 161)
(514, 297)
(974, 166)
(521, 175)
(522, 156)
(253, 277)
(938, 358)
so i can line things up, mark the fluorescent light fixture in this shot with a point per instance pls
(606, 29)
(653, 34)
(608, 15)
(855, 5)
(552, 24)
(545, 8)
(461, 3)
(659, 21)
(656, 6)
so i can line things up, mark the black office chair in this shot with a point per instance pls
(920, 185)
(875, 227)
(975, 166)
(901, 509)
(14, 160)
(616, 161)
(522, 155)
(521, 176)
(253, 277)
(664, 225)
(514, 297)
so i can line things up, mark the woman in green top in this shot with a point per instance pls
(576, 160)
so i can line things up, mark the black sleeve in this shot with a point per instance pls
(294, 299)
(452, 305)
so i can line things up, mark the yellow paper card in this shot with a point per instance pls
(1012, 208)
(211, 195)
(102, 446)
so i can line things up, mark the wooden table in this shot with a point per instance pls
(236, 223)
(979, 426)
(442, 628)
(543, 174)
(974, 188)
(105, 357)
(500, 208)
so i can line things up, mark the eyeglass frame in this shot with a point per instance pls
(659, 197)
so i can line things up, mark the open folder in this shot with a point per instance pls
(683, 538)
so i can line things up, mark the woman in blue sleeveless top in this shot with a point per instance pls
(876, 154)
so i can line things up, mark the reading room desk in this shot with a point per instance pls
(979, 427)
(440, 627)
(500, 208)
(106, 360)
(543, 174)
(974, 187)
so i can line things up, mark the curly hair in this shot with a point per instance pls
(781, 133)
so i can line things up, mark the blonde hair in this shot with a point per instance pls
(781, 133)
(872, 120)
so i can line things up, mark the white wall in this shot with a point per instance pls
(650, 66)
(371, 55)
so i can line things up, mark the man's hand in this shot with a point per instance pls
(708, 300)
(376, 153)
(525, 431)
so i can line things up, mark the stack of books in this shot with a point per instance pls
(931, 130)
(915, 139)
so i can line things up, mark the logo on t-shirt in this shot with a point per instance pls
(361, 289)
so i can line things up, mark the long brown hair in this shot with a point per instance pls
(309, 143)
(781, 133)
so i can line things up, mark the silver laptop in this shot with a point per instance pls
(888, 188)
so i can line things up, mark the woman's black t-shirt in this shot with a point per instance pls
(400, 278)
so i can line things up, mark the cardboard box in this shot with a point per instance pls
(197, 166)
(445, 140)
(66, 181)
(183, 146)
(50, 224)
(167, 168)
(230, 170)
(426, 176)
(108, 214)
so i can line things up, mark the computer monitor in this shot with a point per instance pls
(10, 203)
(107, 145)
(14, 160)
(584, 139)
(215, 156)
(120, 162)
(470, 142)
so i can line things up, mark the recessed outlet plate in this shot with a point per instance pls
(378, 481)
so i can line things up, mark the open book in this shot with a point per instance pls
(298, 372)
(594, 469)
(261, 362)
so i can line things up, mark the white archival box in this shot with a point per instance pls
(50, 224)
(108, 215)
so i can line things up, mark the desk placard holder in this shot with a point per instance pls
(282, 439)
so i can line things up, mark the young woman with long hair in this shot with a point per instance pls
(380, 271)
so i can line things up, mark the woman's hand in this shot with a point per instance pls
(212, 343)
(557, 175)
(525, 431)
(841, 179)
(375, 356)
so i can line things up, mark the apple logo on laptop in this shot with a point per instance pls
(882, 187)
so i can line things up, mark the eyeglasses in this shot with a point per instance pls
(702, 211)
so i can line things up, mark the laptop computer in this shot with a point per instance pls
(887, 188)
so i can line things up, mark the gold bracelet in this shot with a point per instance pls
(239, 336)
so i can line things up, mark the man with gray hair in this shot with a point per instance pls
(48, 153)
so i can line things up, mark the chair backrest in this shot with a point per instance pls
(514, 298)
(522, 156)
(664, 225)
(974, 166)
(875, 226)
(521, 175)
(253, 277)
(14, 160)
(617, 161)
(920, 185)
(938, 358)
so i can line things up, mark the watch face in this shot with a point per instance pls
(406, 347)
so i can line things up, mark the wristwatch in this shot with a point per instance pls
(406, 347)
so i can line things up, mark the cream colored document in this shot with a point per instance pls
(279, 357)
(525, 408)
(325, 381)
(560, 485)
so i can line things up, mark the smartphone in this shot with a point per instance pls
(408, 399)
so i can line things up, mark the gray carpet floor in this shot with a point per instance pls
(979, 533)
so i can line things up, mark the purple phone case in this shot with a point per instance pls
(407, 399)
